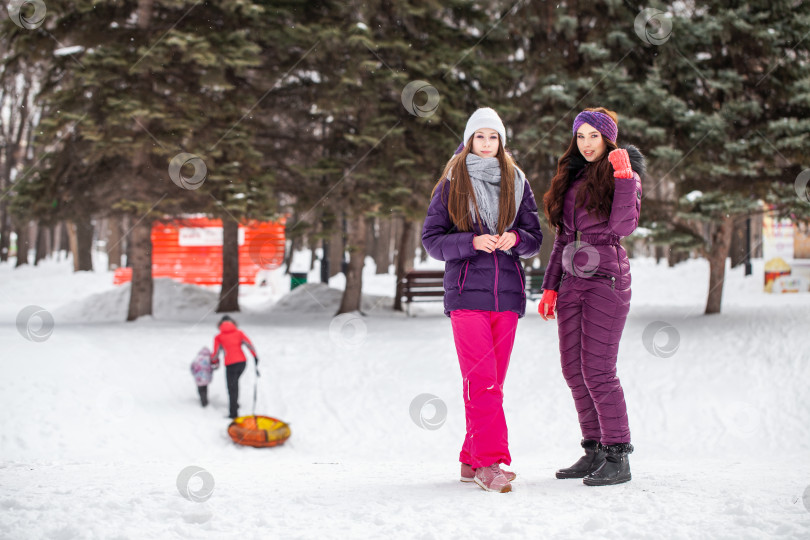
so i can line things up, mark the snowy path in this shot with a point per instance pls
(99, 420)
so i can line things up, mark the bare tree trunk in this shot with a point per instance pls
(737, 248)
(229, 293)
(144, 13)
(382, 249)
(114, 240)
(371, 237)
(675, 257)
(756, 239)
(142, 287)
(294, 241)
(659, 195)
(352, 295)
(64, 238)
(12, 133)
(407, 246)
(335, 253)
(73, 244)
(396, 231)
(404, 258)
(312, 242)
(84, 244)
(22, 244)
(56, 239)
(547, 245)
(423, 254)
(126, 227)
(41, 246)
(52, 241)
(5, 230)
(717, 254)
(139, 237)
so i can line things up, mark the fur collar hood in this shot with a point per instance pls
(637, 161)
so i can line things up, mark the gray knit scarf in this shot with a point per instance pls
(485, 174)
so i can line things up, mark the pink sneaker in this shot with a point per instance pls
(468, 474)
(492, 479)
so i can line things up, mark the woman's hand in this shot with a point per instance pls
(506, 241)
(491, 242)
(621, 163)
(486, 242)
(548, 304)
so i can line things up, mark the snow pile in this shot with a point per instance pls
(319, 298)
(171, 300)
(50, 284)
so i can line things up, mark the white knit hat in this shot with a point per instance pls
(484, 118)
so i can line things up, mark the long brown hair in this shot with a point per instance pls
(595, 194)
(461, 190)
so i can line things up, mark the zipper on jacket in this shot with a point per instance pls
(494, 254)
(612, 280)
(463, 281)
(520, 275)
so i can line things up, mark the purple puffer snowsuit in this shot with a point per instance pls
(475, 279)
(592, 279)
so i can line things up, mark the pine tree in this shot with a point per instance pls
(153, 80)
(715, 95)
(380, 145)
(737, 74)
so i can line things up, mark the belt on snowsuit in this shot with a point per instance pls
(592, 239)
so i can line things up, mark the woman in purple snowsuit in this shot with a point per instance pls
(594, 201)
(482, 218)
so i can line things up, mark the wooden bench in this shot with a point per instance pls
(428, 285)
(421, 286)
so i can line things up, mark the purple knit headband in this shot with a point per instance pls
(603, 123)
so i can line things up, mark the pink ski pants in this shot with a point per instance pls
(484, 341)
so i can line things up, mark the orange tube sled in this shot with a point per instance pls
(259, 431)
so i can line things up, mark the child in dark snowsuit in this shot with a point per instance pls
(230, 340)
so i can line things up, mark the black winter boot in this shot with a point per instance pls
(615, 469)
(593, 459)
(203, 390)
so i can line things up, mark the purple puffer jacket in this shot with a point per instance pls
(599, 255)
(477, 279)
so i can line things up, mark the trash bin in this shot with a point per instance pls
(297, 278)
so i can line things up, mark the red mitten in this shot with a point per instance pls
(548, 303)
(621, 163)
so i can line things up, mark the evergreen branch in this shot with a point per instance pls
(265, 94)
(164, 35)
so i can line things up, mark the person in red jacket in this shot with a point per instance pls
(230, 340)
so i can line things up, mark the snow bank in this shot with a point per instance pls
(320, 298)
(171, 300)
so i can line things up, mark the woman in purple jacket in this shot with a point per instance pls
(482, 218)
(594, 201)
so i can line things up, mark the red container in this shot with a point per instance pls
(190, 250)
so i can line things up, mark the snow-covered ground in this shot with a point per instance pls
(100, 418)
